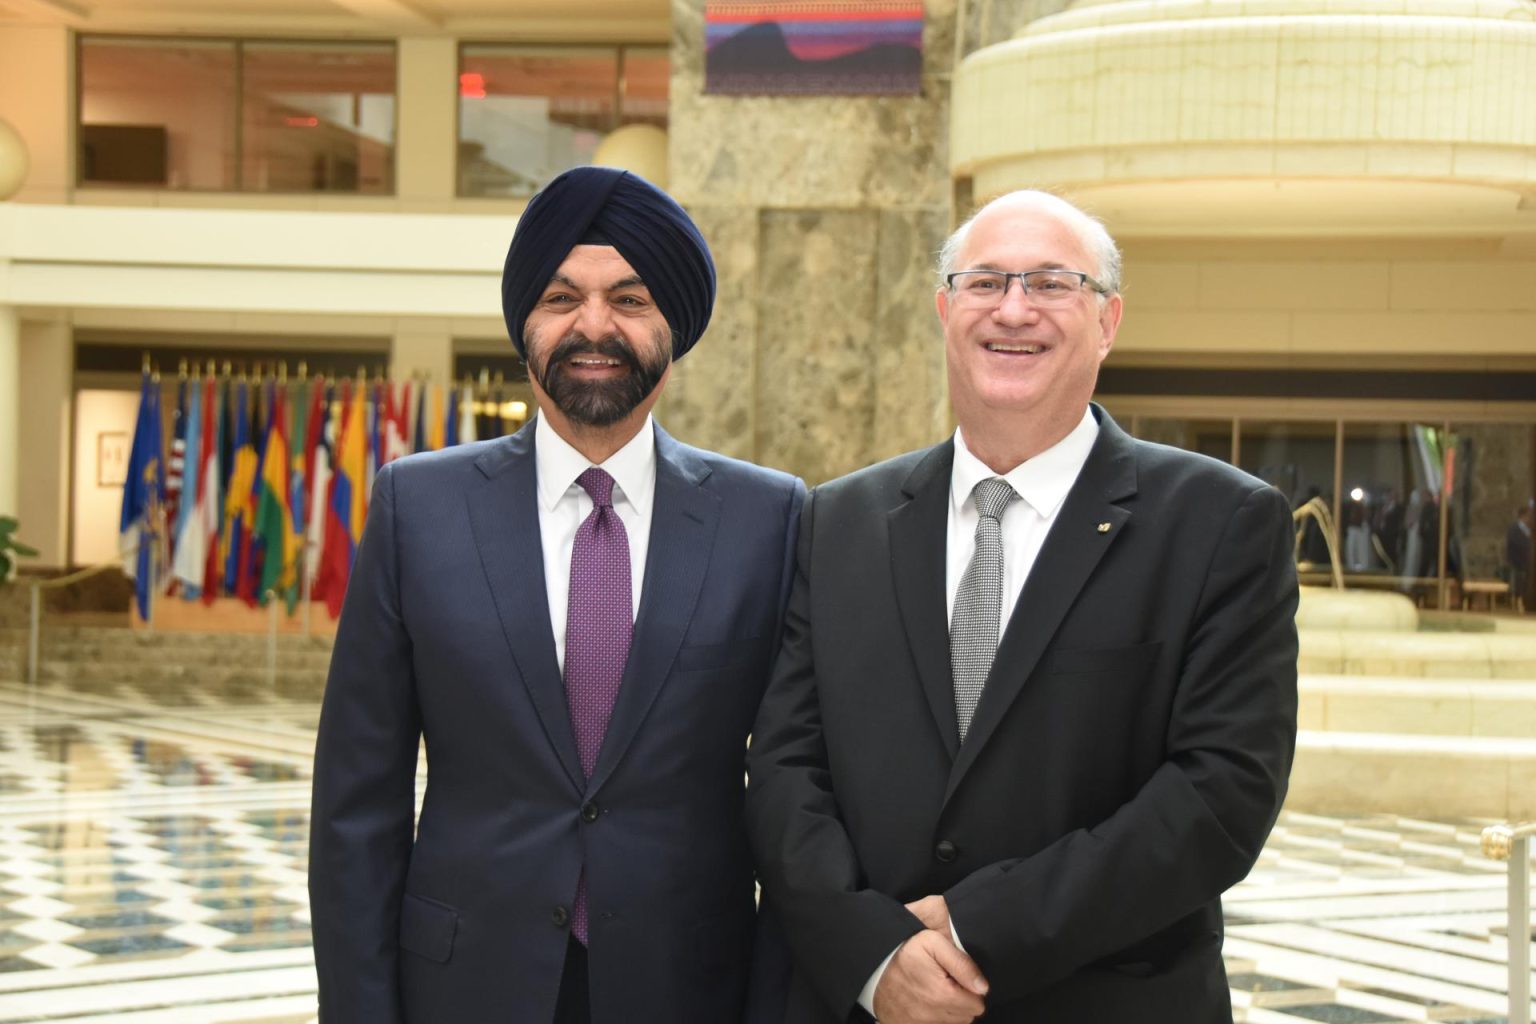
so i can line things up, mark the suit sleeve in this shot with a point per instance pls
(1198, 824)
(364, 785)
(839, 929)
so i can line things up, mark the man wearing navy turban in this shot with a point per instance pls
(578, 620)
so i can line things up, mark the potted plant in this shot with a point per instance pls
(10, 548)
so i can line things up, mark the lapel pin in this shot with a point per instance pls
(1103, 527)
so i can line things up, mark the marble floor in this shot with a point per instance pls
(152, 858)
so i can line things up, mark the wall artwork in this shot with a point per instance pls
(111, 458)
(813, 47)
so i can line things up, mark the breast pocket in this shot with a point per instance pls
(1109, 663)
(714, 657)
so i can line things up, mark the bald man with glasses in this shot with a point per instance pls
(1035, 707)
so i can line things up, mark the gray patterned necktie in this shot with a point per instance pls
(976, 622)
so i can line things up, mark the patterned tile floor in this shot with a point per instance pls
(152, 858)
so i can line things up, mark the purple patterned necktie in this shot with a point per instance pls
(598, 627)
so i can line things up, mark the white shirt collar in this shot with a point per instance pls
(633, 467)
(1043, 481)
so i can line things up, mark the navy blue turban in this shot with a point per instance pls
(607, 206)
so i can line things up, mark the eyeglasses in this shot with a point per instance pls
(1044, 287)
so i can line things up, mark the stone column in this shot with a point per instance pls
(424, 347)
(425, 147)
(46, 411)
(10, 410)
(823, 212)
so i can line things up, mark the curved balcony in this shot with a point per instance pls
(1264, 117)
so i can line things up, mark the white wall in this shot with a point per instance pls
(98, 509)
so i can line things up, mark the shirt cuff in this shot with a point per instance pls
(867, 996)
(956, 936)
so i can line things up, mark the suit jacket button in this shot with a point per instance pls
(589, 813)
(560, 917)
(946, 852)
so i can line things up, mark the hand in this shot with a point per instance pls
(929, 981)
(932, 911)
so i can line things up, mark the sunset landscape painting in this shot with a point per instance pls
(810, 47)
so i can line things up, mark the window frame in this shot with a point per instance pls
(81, 39)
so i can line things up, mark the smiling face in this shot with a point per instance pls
(1014, 366)
(598, 348)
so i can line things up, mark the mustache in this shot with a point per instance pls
(577, 344)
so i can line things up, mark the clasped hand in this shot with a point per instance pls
(930, 980)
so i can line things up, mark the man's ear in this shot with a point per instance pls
(1109, 323)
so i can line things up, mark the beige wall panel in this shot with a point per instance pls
(1466, 333)
(1156, 285)
(36, 93)
(1482, 286)
(426, 147)
(47, 358)
(711, 398)
(1203, 331)
(1260, 286)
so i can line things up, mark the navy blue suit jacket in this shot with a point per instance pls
(445, 634)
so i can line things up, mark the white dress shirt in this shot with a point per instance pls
(1042, 484)
(564, 504)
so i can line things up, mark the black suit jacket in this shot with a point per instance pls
(445, 634)
(1125, 764)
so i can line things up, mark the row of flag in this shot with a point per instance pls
(266, 486)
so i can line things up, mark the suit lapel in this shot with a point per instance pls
(504, 517)
(1072, 550)
(917, 531)
(683, 524)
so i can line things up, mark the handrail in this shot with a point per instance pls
(35, 615)
(1318, 509)
(1512, 842)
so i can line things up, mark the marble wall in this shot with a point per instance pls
(824, 215)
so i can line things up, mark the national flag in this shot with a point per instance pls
(141, 523)
(248, 572)
(371, 414)
(187, 564)
(395, 429)
(274, 528)
(419, 435)
(319, 438)
(298, 502)
(239, 508)
(174, 471)
(215, 441)
(348, 505)
(435, 432)
(467, 424)
(451, 421)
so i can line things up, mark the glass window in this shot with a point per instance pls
(1297, 458)
(318, 117)
(647, 75)
(231, 115)
(526, 113)
(1208, 437)
(1390, 507)
(1490, 479)
(157, 113)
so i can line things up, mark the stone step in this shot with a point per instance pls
(176, 685)
(1455, 655)
(213, 654)
(1414, 775)
(1420, 707)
